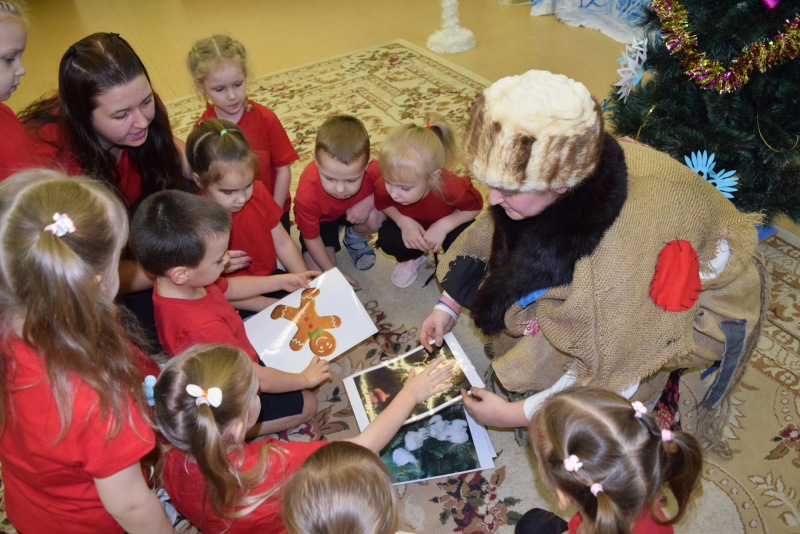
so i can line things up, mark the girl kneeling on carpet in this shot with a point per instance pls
(224, 167)
(205, 400)
(608, 457)
(427, 206)
(218, 65)
(72, 429)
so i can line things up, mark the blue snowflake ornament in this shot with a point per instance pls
(703, 164)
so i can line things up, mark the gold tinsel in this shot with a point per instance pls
(709, 74)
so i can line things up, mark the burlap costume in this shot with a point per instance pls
(604, 323)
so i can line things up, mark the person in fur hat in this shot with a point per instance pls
(599, 263)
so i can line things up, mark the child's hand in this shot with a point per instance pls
(238, 259)
(435, 235)
(429, 381)
(351, 280)
(358, 213)
(317, 371)
(294, 281)
(413, 234)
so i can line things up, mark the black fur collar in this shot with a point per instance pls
(540, 252)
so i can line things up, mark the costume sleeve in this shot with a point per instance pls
(464, 265)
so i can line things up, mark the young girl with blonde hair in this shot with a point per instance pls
(342, 488)
(218, 65)
(205, 400)
(224, 168)
(72, 429)
(608, 457)
(427, 205)
(17, 150)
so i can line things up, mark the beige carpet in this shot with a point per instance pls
(754, 492)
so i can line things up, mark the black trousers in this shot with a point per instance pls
(538, 521)
(390, 240)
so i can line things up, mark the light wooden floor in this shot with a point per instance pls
(280, 34)
(284, 33)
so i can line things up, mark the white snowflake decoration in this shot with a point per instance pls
(632, 67)
(703, 164)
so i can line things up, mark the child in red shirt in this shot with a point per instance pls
(350, 485)
(17, 150)
(427, 205)
(72, 411)
(336, 189)
(218, 65)
(224, 168)
(205, 400)
(183, 239)
(608, 457)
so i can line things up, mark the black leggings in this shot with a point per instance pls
(390, 240)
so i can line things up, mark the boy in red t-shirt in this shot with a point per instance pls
(183, 239)
(336, 189)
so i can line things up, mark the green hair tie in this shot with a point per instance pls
(223, 132)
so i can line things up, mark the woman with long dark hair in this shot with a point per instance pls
(106, 122)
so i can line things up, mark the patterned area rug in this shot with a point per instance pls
(755, 491)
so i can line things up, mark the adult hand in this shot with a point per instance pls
(492, 409)
(237, 259)
(435, 326)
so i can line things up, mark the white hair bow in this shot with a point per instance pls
(211, 396)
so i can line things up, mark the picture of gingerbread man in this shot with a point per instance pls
(310, 326)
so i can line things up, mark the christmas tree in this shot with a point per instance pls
(725, 81)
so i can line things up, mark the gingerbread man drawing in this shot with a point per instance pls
(310, 326)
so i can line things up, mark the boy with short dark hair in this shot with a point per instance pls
(183, 239)
(336, 189)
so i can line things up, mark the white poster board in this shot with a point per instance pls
(326, 320)
(372, 389)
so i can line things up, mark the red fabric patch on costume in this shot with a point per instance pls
(532, 328)
(676, 282)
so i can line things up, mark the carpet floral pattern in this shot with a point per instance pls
(756, 491)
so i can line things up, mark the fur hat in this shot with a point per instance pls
(538, 131)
